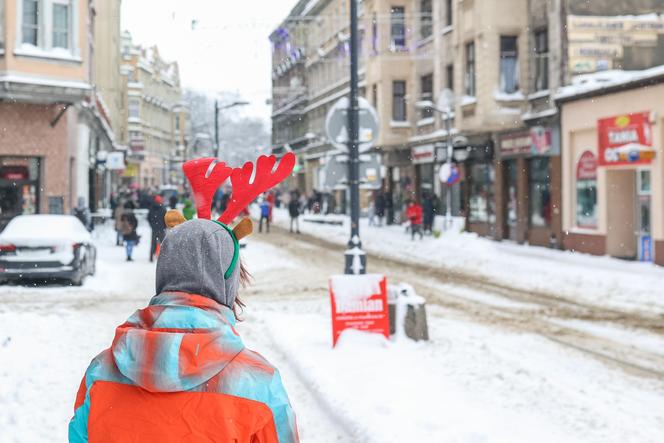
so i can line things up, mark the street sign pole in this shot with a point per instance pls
(355, 257)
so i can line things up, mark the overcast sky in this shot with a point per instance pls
(227, 51)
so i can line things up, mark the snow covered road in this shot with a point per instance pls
(491, 372)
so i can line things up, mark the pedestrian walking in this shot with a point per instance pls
(157, 225)
(294, 212)
(429, 212)
(117, 217)
(177, 370)
(414, 214)
(372, 212)
(128, 226)
(265, 216)
(380, 207)
(173, 200)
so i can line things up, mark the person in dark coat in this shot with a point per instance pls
(173, 201)
(157, 224)
(379, 204)
(128, 225)
(429, 210)
(294, 211)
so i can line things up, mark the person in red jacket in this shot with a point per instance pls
(414, 214)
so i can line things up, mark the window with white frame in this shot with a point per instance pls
(30, 22)
(134, 108)
(47, 24)
(61, 24)
(398, 28)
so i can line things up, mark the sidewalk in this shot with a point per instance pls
(605, 281)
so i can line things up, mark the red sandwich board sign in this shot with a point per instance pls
(625, 140)
(359, 302)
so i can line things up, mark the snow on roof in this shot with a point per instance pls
(598, 81)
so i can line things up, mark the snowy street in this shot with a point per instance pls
(503, 365)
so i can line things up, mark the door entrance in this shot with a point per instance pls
(621, 219)
(643, 227)
(510, 209)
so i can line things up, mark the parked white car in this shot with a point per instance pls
(45, 247)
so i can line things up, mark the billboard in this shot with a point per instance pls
(625, 140)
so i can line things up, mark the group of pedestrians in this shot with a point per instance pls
(126, 223)
(420, 216)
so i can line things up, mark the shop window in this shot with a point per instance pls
(541, 60)
(398, 28)
(540, 192)
(426, 18)
(586, 203)
(470, 69)
(19, 186)
(399, 101)
(481, 199)
(509, 65)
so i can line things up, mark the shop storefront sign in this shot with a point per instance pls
(586, 168)
(515, 144)
(359, 302)
(422, 154)
(115, 161)
(625, 140)
(131, 170)
(537, 141)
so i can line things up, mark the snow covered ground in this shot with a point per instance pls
(599, 281)
(471, 383)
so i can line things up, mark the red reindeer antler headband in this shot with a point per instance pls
(206, 175)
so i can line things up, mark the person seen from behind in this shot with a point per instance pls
(294, 211)
(414, 214)
(266, 211)
(178, 370)
(128, 225)
(157, 225)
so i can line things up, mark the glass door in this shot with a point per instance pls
(643, 225)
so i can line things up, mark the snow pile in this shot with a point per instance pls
(596, 81)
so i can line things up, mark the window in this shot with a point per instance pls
(60, 25)
(399, 101)
(470, 69)
(540, 192)
(426, 18)
(426, 93)
(30, 24)
(448, 12)
(374, 95)
(541, 59)
(449, 77)
(586, 191)
(398, 28)
(134, 108)
(481, 200)
(509, 75)
(374, 34)
(177, 122)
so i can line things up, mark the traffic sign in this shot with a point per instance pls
(336, 124)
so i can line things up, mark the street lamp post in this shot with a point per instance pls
(216, 120)
(355, 258)
(447, 99)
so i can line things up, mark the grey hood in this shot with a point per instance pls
(194, 257)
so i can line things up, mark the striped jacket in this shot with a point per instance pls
(177, 371)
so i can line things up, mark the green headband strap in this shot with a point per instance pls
(236, 250)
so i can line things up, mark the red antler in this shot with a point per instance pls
(264, 179)
(206, 175)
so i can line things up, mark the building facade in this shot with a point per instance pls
(52, 127)
(613, 168)
(155, 117)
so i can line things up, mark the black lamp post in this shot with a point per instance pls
(356, 259)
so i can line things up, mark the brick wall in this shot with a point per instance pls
(25, 130)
